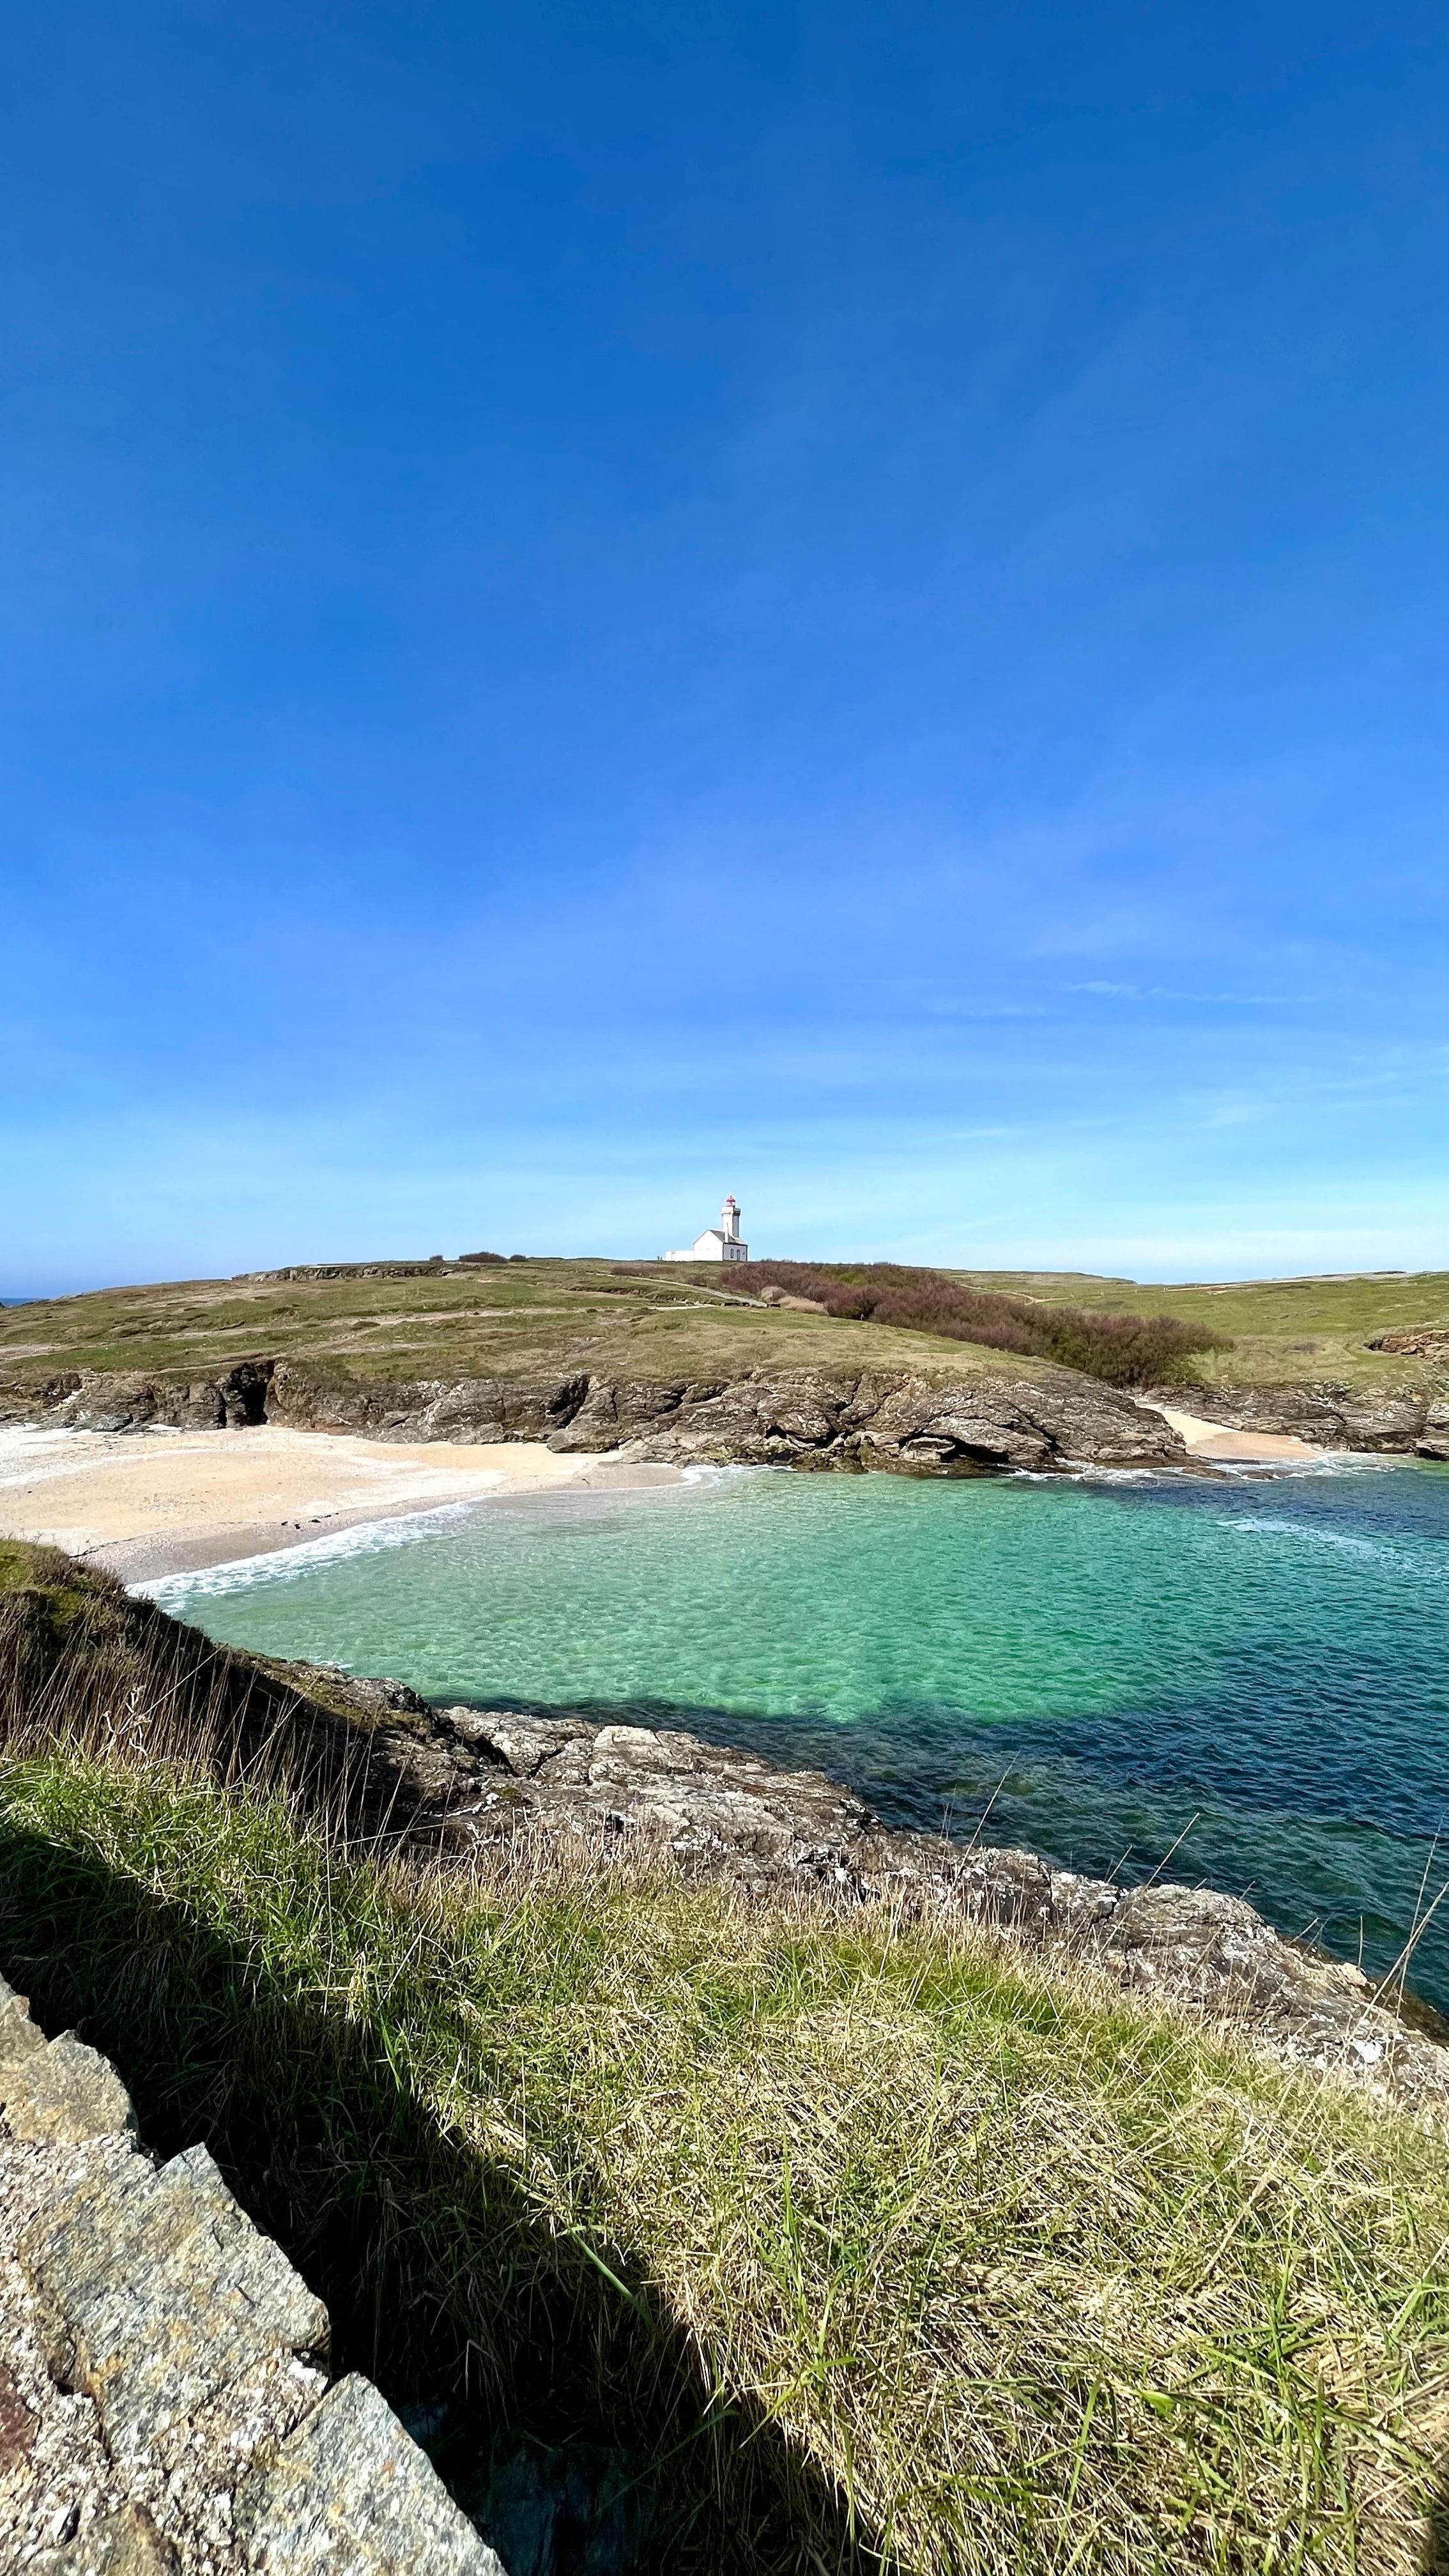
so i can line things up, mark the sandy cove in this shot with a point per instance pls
(1216, 1440)
(160, 1502)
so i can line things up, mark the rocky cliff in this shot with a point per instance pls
(807, 1417)
(798, 1417)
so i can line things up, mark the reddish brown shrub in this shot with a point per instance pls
(1123, 1350)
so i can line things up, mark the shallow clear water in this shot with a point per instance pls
(1263, 1663)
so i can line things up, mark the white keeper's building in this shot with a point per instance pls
(720, 1243)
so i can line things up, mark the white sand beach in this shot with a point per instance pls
(167, 1502)
(1210, 1440)
(160, 1502)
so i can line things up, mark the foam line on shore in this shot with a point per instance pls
(363, 1538)
(1326, 1462)
(371, 1537)
(1248, 1471)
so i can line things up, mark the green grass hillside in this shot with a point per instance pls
(1282, 1331)
(526, 1319)
(863, 2245)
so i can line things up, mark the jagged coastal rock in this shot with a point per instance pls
(794, 1417)
(805, 1417)
(462, 1779)
(121, 1400)
(909, 1424)
(165, 2409)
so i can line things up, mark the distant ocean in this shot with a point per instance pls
(1093, 1668)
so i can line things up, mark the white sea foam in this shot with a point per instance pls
(710, 1474)
(1082, 1474)
(1403, 1560)
(1329, 1462)
(365, 1538)
(1347, 1540)
(1247, 1471)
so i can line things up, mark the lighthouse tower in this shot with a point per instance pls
(720, 1242)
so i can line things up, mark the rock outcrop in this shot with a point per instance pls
(810, 1417)
(469, 1408)
(806, 1417)
(912, 1425)
(1425, 1342)
(121, 1400)
(164, 2405)
(463, 1779)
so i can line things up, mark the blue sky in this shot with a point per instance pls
(608, 603)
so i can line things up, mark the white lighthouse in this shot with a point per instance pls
(720, 1242)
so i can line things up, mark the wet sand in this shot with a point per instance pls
(157, 1502)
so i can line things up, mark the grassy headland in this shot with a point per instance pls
(532, 1319)
(1279, 1332)
(525, 1319)
(867, 2243)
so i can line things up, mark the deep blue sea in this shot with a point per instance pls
(1096, 1667)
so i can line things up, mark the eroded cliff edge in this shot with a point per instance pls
(833, 1418)
(797, 1417)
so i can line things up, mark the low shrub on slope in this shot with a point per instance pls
(1122, 1350)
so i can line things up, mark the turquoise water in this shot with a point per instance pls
(1261, 1665)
